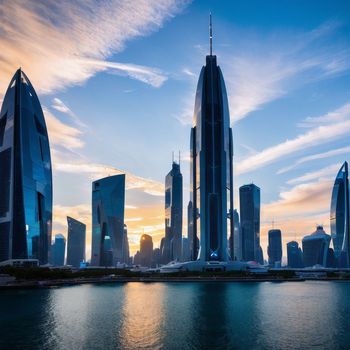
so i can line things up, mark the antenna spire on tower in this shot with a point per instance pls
(210, 35)
(179, 157)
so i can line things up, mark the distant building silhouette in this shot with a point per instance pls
(186, 254)
(237, 238)
(340, 217)
(172, 244)
(59, 249)
(126, 251)
(294, 255)
(193, 254)
(315, 248)
(211, 177)
(25, 175)
(274, 248)
(157, 257)
(75, 242)
(137, 258)
(249, 199)
(146, 250)
(108, 231)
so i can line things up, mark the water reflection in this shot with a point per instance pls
(143, 313)
(25, 320)
(303, 311)
(178, 316)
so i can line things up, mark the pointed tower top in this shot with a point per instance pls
(210, 35)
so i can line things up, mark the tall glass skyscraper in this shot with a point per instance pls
(274, 248)
(249, 201)
(211, 164)
(340, 217)
(172, 244)
(76, 242)
(108, 203)
(25, 175)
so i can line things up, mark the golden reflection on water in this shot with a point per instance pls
(143, 315)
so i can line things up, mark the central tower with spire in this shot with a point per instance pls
(211, 194)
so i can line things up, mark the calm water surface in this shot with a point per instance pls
(296, 315)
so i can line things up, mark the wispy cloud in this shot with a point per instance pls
(316, 136)
(328, 154)
(81, 37)
(338, 115)
(148, 75)
(61, 107)
(61, 134)
(328, 172)
(301, 200)
(79, 165)
(269, 68)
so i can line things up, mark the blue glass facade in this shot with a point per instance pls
(58, 250)
(315, 248)
(172, 244)
(237, 237)
(211, 169)
(25, 176)
(339, 216)
(294, 255)
(76, 242)
(274, 249)
(108, 203)
(249, 200)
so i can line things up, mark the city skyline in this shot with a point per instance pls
(304, 80)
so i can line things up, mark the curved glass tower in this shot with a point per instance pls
(340, 216)
(211, 164)
(108, 203)
(25, 175)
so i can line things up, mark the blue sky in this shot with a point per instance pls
(117, 84)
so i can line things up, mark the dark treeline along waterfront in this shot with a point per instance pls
(308, 315)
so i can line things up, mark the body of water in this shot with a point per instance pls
(294, 315)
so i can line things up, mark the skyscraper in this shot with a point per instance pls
(25, 175)
(274, 248)
(211, 164)
(190, 230)
(76, 242)
(126, 251)
(108, 202)
(186, 256)
(236, 240)
(59, 249)
(340, 217)
(173, 215)
(146, 250)
(249, 200)
(315, 248)
(294, 255)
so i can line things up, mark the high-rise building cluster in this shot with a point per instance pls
(216, 231)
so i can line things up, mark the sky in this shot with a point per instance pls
(117, 79)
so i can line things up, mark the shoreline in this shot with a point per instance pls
(37, 284)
